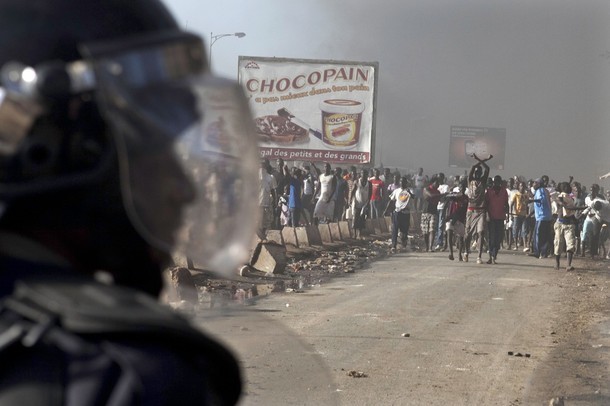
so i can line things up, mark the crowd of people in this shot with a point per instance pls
(308, 195)
(463, 214)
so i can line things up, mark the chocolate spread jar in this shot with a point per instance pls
(341, 120)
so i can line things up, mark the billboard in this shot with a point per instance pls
(312, 110)
(465, 141)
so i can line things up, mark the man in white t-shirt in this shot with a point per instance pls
(401, 200)
(602, 209)
(592, 224)
(325, 207)
(510, 237)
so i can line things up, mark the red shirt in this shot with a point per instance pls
(378, 186)
(457, 208)
(497, 201)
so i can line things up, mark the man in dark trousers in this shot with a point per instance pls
(543, 231)
(429, 217)
(496, 201)
(401, 203)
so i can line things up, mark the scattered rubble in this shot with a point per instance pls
(277, 268)
(357, 374)
(558, 401)
(180, 286)
(518, 354)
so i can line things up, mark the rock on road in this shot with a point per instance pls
(417, 329)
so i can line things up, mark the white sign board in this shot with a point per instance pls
(310, 110)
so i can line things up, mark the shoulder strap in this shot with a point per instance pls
(82, 308)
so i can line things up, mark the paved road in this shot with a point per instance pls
(428, 331)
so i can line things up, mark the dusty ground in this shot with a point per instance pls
(579, 334)
(580, 331)
(315, 266)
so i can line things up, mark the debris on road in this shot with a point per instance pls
(357, 374)
(269, 258)
(275, 269)
(558, 401)
(518, 354)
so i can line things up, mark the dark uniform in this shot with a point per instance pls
(109, 130)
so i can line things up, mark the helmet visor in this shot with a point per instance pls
(187, 154)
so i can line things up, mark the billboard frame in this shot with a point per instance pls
(373, 65)
(465, 140)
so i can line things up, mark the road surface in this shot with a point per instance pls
(417, 329)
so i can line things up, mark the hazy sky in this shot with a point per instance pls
(538, 68)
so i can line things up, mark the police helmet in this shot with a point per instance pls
(90, 84)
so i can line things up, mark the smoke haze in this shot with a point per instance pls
(538, 68)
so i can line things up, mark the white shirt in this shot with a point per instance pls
(402, 197)
(326, 186)
(443, 189)
(604, 213)
(361, 194)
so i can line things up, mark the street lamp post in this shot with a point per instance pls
(214, 38)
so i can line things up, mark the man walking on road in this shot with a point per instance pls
(441, 235)
(518, 209)
(419, 181)
(544, 219)
(429, 218)
(565, 225)
(401, 215)
(456, 218)
(376, 194)
(496, 200)
(475, 216)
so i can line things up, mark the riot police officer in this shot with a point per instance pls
(112, 140)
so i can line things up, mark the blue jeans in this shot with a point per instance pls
(542, 237)
(519, 228)
(440, 231)
(590, 234)
(376, 209)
